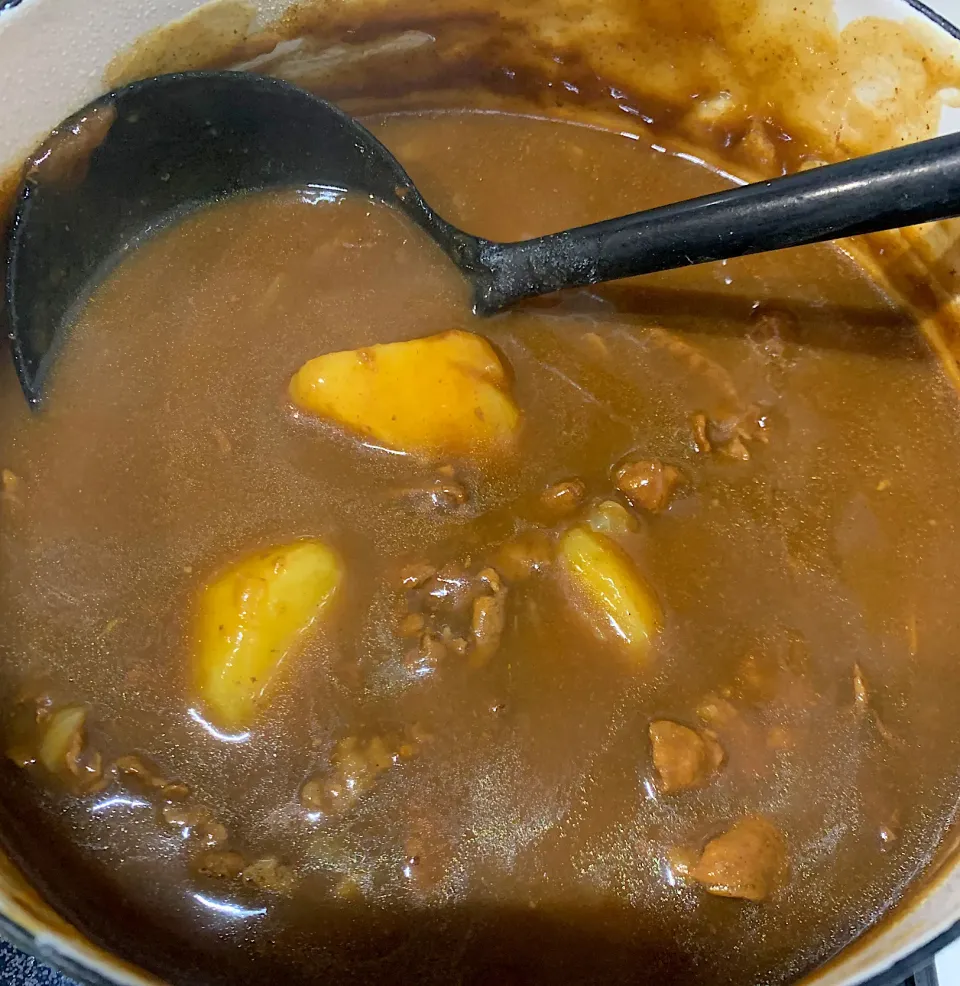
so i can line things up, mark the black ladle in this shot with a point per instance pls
(179, 141)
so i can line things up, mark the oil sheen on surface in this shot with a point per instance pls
(512, 827)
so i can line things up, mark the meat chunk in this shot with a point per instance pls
(451, 590)
(731, 435)
(489, 619)
(683, 758)
(425, 657)
(223, 865)
(410, 625)
(355, 767)
(648, 484)
(561, 499)
(195, 822)
(134, 769)
(701, 440)
(455, 610)
(443, 492)
(271, 875)
(416, 574)
(525, 556)
(748, 861)
(136, 772)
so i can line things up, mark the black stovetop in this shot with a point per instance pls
(17, 969)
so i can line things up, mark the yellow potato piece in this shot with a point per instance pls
(621, 603)
(250, 619)
(445, 394)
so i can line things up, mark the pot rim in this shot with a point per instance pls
(86, 975)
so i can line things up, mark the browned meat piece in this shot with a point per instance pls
(452, 589)
(425, 658)
(270, 874)
(458, 645)
(134, 771)
(451, 611)
(411, 625)
(175, 791)
(563, 498)
(647, 484)
(525, 556)
(489, 619)
(443, 492)
(748, 861)
(416, 574)
(354, 769)
(85, 765)
(732, 434)
(735, 449)
(132, 768)
(195, 822)
(223, 865)
(701, 441)
(682, 757)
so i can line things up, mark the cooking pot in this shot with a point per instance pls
(795, 82)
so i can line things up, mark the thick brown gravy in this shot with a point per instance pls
(805, 570)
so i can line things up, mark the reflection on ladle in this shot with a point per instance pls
(138, 157)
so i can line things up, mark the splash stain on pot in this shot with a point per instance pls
(207, 37)
(755, 87)
(64, 158)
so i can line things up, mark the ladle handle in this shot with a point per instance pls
(913, 184)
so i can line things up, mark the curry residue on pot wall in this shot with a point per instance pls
(760, 87)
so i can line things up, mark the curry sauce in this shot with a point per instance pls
(473, 760)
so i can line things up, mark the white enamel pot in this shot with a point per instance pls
(849, 75)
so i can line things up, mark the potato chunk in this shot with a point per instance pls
(251, 618)
(445, 394)
(624, 606)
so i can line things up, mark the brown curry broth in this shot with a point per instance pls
(167, 448)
